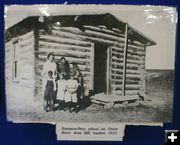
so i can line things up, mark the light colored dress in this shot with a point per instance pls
(47, 66)
(61, 89)
(69, 97)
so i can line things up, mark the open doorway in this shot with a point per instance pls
(100, 68)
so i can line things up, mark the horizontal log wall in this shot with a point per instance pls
(26, 56)
(75, 45)
(139, 53)
(8, 60)
(134, 73)
(142, 72)
(24, 47)
(75, 51)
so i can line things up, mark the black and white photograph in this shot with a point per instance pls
(89, 63)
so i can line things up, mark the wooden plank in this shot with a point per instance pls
(92, 67)
(134, 53)
(135, 62)
(120, 46)
(128, 81)
(65, 53)
(136, 72)
(129, 66)
(82, 37)
(120, 60)
(98, 102)
(116, 76)
(86, 79)
(135, 43)
(131, 82)
(104, 30)
(91, 33)
(108, 73)
(117, 55)
(81, 67)
(128, 87)
(133, 76)
(142, 74)
(79, 61)
(132, 57)
(116, 71)
(128, 76)
(118, 49)
(119, 65)
(130, 50)
(128, 92)
(129, 56)
(84, 73)
(115, 81)
(136, 47)
(119, 71)
(61, 40)
(50, 45)
(117, 30)
(117, 60)
(110, 98)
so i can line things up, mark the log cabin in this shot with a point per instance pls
(109, 52)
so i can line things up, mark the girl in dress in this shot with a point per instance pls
(63, 67)
(61, 90)
(49, 65)
(80, 91)
(71, 93)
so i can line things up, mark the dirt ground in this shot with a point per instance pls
(159, 109)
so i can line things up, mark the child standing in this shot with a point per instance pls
(80, 90)
(49, 87)
(61, 90)
(71, 93)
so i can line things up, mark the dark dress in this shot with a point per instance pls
(80, 89)
(63, 68)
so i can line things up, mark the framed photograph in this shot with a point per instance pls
(89, 63)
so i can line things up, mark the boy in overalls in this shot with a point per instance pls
(49, 92)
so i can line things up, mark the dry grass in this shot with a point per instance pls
(158, 89)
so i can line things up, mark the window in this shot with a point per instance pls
(15, 60)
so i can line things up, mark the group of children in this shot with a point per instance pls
(62, 89)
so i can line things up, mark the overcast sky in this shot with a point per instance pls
(158, 23)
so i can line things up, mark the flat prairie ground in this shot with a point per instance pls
(159, 89)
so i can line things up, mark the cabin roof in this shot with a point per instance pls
(108, 20)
